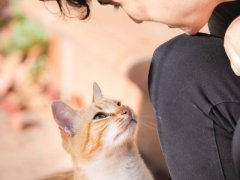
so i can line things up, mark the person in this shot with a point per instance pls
(193, 83)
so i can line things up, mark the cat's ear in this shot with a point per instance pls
(97, 93)
(64, 116)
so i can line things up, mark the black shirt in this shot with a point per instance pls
(222, 16)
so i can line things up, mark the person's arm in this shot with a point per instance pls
(232, 45)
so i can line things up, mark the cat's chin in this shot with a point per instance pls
(127, 134)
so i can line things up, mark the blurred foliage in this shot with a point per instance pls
(37, 68)
(24, 35)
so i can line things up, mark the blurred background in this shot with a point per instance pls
(44, 57)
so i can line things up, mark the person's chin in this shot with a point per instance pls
(170, 26)
(187, 30)
(190, 30)
(136, 20)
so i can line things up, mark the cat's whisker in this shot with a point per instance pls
(149, 125)
(121, 125)
(143, 116)
(148, 122)
(146, 118)
(118, 120)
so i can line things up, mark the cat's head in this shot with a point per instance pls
(104, 126)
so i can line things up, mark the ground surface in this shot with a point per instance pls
(31, 153)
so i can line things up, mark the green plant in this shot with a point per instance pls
(25, 34)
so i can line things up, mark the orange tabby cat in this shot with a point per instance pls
(100, 140)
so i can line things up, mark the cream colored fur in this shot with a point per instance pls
(122, 165)
(100, 140)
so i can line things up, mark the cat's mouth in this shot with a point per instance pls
(132, 122)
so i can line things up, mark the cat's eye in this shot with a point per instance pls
(100, 116)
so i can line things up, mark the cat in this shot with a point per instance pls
(100, 140)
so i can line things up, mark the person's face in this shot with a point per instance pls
(188, 15)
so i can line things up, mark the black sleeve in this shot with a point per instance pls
(222, 16)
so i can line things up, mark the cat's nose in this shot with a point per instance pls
(126, 111)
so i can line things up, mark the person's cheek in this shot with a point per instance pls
(234, 58)
(232, 45)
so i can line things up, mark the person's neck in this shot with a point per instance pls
(116, 165)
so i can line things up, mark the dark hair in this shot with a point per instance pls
(81, 5)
